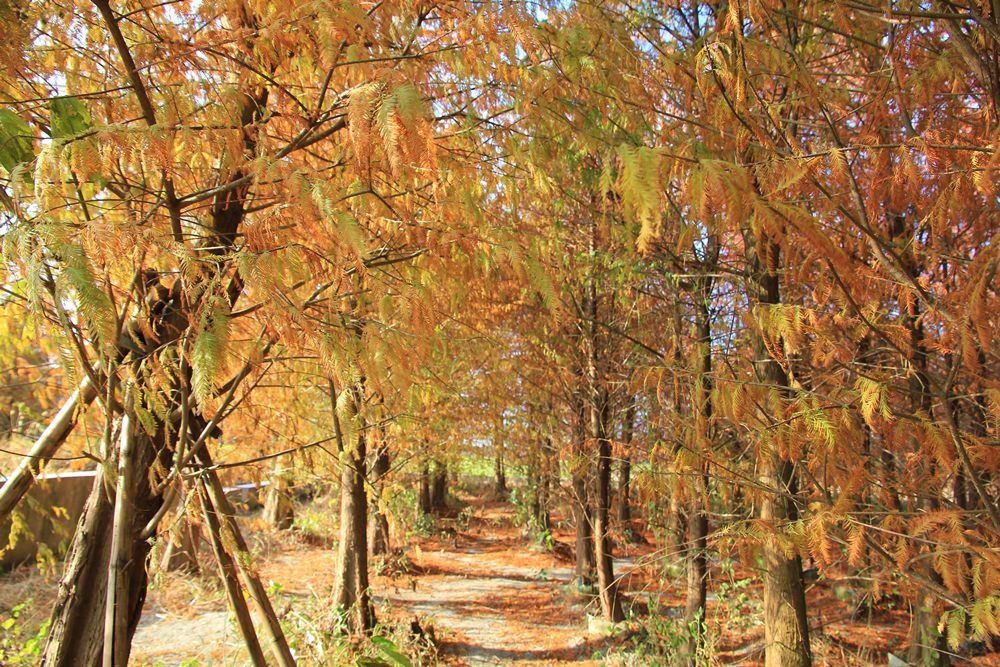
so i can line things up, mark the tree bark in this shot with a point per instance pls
(181, 553)
(927, 645)
(582, 518)
(786, 629)
(500, 489)
(231, 582)
(76, 638)
(697, 566)
(279, 511)
(543, 500)
(625, 466)
(424, 492)
(611, 607)
(439, 487)
(378, 537)
(351, 588)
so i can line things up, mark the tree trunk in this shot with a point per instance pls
(697, 566)
(279, 511)
(581, 505)
(927, 645)
(76, 638)
(351, 589)
(378, 537)
(182, 537)
(611, 607)
(697, 580)
(439, 487)
(181, 554)
(231, 582)
(424, 493)
(786, 629)
(543, 493)
(500, 489)
(218, 501)
(625, 467)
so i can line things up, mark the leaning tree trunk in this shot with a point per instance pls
(76, 638)
(183, 537)
(45, 446)
(786, 629)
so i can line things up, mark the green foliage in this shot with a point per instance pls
(736, 609)
(873, 396)
(663, 639)
(319, 635)
(317, 519)
(68, 117)
(92, 300)
(208, 352)
(389, 650)
(15, 648)
(638, 183)
(982, 618)
(422, 526)
(15, 140)
(541, 281)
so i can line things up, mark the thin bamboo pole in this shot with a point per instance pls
(272, 626)
(116, 646)
(227, 569)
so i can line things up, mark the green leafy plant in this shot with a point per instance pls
(389, 650)
(15, 647)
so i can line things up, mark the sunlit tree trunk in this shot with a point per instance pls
(611, 607)
(499, 474)
(697, 557)
(599, 410)
(378, 538)
(351, 589)
(786, 629)
(625, 466)
(543, 501)
(580, 501)
(279, 511)
(76, 638)
(184, 538)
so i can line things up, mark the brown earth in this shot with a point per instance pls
(485, 594)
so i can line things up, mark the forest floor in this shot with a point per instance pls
(486, 595)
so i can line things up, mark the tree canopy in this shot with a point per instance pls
(747, 246)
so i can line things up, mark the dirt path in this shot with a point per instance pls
(492, 601)
(487, 596)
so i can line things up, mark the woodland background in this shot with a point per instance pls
(731, 260)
